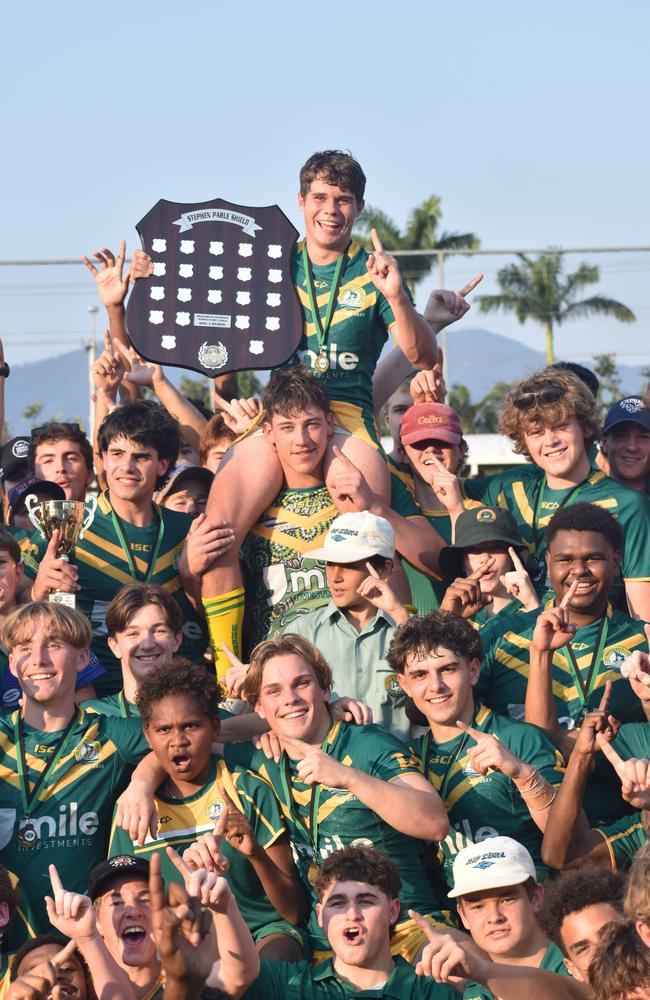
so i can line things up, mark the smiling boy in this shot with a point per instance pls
(61, 453)
(60, 769)
(584, 544)
(130, 537)
(552, 418)
(353, 781)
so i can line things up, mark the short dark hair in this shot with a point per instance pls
(39, 942)
(575, 891)
(334, 167)
(419, 636)
(585, 375)
(9, 544)
(56, 430)
(179, 677)
(359, 864)
(585, 517)
(135, 596)
(144, 422)
(215, 432)
(290, 390)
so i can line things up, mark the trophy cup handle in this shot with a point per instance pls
(92, 507)
(32, 503)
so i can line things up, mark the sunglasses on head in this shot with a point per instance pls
(70, 428)
(526, 400)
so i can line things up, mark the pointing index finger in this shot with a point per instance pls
(62, 956)
(424, 925)
(376, 242)
(604, 701)
(474, 733)
(570, 594)
(516, 561)
(55, 880)
(612, 755)
(178, 862)
(372, 571)
(234, 659)
(470, 286)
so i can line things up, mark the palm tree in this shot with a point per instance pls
(538, 289)
(421, 233)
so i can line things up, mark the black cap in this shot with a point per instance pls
(13, 456)
(476, 527)
(181, 474)
(40, 487)
(107, 871)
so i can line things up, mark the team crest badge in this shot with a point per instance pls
(392, 684)
(353, 297)
(220, 298)
(485, 514)
(214, 810)
(88, 752)
(615, 656)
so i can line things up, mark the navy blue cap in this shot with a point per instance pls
(13, 457)
(42, 488)
(631, 410)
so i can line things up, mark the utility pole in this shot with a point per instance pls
(91, 351)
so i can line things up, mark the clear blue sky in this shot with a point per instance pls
(528, 120)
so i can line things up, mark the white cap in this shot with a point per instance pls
(355, 536)
(492, 864)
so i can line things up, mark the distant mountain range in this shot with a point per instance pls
(477, 359)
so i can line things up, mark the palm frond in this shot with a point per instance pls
(598, 305)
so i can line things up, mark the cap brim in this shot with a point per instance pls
(343, 558)
(629, 418)
(426, 434)
(451, 557)
(487, 882)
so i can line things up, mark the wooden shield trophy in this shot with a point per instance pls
(220, 298)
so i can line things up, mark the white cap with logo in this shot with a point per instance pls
(493, 863)
(354, 536)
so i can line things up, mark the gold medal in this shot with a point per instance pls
(321, 363)
(312, 872)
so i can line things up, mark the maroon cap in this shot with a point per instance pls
(430, 420)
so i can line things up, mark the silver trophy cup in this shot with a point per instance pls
(71, 518)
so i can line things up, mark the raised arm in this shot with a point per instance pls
(408, 802)
(73, 915)
(552, 631)
(568, 840)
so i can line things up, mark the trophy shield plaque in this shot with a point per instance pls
(71, 518)
(220, 298)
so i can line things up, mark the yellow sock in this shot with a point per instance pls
(225, 617)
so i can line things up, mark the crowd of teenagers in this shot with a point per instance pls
(302, 718)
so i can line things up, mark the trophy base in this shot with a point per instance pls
(59, 597)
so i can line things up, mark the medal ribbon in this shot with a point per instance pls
(310, 829)
(573, 492)
(455, 757)
(322, 326)
(586, 686)
(125, 711)
(30, 795)
(127, 551)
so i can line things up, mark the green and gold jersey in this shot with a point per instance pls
(623, 838)
(321, 820)
(114, 705)
(22, 926)
(489, 805)
(553, 961)
(71, 813)
(633, 740)
(182, 821)
(598, 651)
(523, 491)
(113, 553)
(302, 981)
(358, 331)
(281, 580)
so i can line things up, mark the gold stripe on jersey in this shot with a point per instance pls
(100, 564)
(563, 691)
(104, 544)
(323, 298)
(519, 493)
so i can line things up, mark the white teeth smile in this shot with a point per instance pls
(439, 700)
(296, 715)
(42, 677)
(555, 454)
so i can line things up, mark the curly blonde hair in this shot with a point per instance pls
(576, 402)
